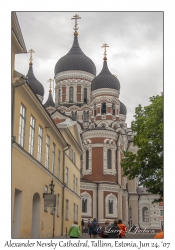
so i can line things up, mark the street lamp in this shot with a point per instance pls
(52, 187)
(130, 216)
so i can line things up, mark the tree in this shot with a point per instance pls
(147, 163)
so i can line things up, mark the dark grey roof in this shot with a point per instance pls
(75, 59)
(123, 109)
(34, 83)
(49, 102)
(105, 79)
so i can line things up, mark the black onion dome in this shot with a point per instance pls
(34, 83)
(123, 109)
(75, 59)
(105, 79)
(49, 102)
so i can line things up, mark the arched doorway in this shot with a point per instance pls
(35, 216)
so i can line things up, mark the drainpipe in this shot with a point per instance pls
(62, 222)
(97, 201)
(138, 208)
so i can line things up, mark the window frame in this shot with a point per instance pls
(47, 151)
(40, 143)
(22, 125)
(32, 135)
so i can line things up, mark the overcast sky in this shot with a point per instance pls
(135, 53)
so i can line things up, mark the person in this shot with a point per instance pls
(114, 230)
(94, 228)
(122, 229)
(82, 225)
(159, 235)
(89, 222)
(104, 231)
(74, 231)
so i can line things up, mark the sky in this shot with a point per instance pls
(135, 53)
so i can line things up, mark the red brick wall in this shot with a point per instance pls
(78, 93)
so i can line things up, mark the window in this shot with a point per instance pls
(74, 159)
(95, 112)
(71, 94)
(113, 109)
(32, 134)
(59, 95)
(59, 163)
(110, 206)
(47, 152)
(74, 183)
(22, 121)
(58, 204)
(84, 205)
(145, 214)
(74, 212)
(85, 95)
(66, 180)
(71, 153)
(87, 159)
(86, 116)
(74, 115)
(103, 108)
(161, 212)
(67, 209)
(46, 192)
(109, 159)
(53, 158)
(40, 141)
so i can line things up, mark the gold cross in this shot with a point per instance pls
(105, 46)
(75, 27)
(50, 80)
(31, 51)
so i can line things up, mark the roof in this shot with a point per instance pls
(34, 83)
(75, 59)
(123, 109)
(105, 80)
(49, 102)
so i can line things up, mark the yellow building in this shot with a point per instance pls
(40, 158)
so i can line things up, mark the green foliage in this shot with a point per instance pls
(147, 164)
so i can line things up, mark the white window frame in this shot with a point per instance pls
(59, 163)
(88, 197)
(47, 151)
(66, 176)
(89, 170)
(40, 141)
(32, 135)
(111, 198)
(67, 210)
(76, 185)
(53, 157)
(22, 124)
(112, 147)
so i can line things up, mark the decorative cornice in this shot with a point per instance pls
(74, 74)
(97, 133)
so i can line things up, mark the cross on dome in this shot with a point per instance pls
(31, 51)
(75, 27)
(50, 80)
(105, 54)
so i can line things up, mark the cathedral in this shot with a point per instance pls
(90, 105)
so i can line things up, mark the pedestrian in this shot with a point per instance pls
(82, 225)
(94, 226)
(114, 230)
(74, 231)
(89, 222)
(104, 231)
(122, 229)
(159, 235)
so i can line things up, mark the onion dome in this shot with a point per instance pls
(123, 110)
(50, 102)
(33, 82)
(75, 59)
(105, 79)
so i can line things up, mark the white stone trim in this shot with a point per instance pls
(87, 196)
(97, 134)
(105, 91)
(111, 197)
(84, 170)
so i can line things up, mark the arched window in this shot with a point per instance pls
(145, 215)
(113, 109)
(86, 116)
(84, 205)
(59, 95)
(71, 94)
(103, 108)
(111, 206)
(74, 115)
(85, 95)
(87, 159)
(109, 162)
